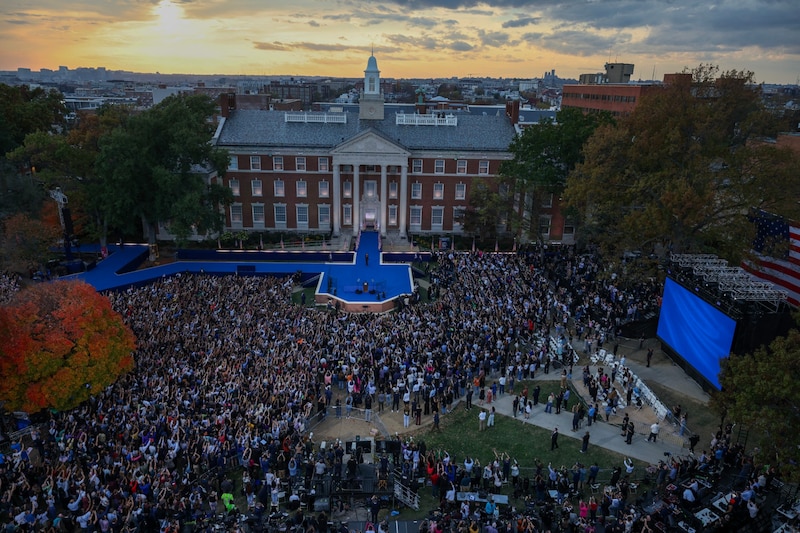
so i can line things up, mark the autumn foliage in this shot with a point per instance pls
(62, 342)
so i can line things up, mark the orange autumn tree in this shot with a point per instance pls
(62, 342)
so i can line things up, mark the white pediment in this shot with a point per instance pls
(369, 143)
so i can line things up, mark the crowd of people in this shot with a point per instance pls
(229, 373)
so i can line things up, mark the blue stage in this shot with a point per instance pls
(360, 278)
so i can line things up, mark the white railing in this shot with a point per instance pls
(415, 119)
(318, 118)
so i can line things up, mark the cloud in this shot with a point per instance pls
(520, 22)
(460, 46)
(493, 38)
(314, 47)
(576, 42)
(313, 23)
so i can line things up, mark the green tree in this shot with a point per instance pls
(26, 242)
(683, 169)
(24, 110)
(62, 342)
(154, 169)
(68, 160)
(759, 391)
(544, 154)
(487, 209)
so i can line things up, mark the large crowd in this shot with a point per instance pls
(229, 373)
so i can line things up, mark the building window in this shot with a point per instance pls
(280, 215)
(437, 217)
(438, 191)
(461, 166)
(569, 226)
(302, 189)
(439, 166)
(370, 189)
(458, 218)
(347, 215)
(393, 190)
(255, 162)
(324, 215)
(324, 189)
(416, 191)
(258, 215)
(323, 164)
(416, 166)
(236, 215)
(279, 189)
(544, 226)
(461, 191)
(233, 163)
(547, 199)
(302, 216)
(234, 185)
(277, 162)
(503, 190)
(415, 217)
(347, 189)
(256, 187)
(483, 167)
(393, 215)
(300, 164)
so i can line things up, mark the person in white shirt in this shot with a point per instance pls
(628, 465)
(752, 508)
(654, 429)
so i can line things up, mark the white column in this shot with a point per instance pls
(384, 200)
(356, 198)
(403, 199)
(336, 209)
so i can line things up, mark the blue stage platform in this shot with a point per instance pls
(342, 275)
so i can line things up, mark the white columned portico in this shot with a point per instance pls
(337, 201)
(356, 198)
(403, 198)
(384, 198)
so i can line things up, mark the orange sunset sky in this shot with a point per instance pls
(411, 39)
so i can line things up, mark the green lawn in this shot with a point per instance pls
(526, 443)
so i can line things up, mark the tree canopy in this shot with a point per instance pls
(760, 392)
(543, 156)
(154, 169)
(684, 168)
(62, 343)
(24, 110)
(25, 242)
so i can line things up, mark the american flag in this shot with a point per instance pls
(777, 249)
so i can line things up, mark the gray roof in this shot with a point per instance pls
(268, 129)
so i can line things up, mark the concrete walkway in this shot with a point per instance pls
(607, 434)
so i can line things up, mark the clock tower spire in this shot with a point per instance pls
(371, 101)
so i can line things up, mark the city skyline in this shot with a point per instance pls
(412, 39)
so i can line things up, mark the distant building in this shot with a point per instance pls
(609, 91)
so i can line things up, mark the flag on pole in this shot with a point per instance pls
(777, 249)
(514, 249)
(473, 245)
(496, 247)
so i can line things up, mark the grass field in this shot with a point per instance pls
(459, 436)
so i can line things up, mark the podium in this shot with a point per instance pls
(366, 287)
